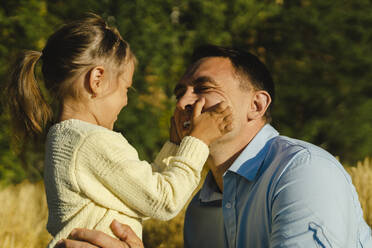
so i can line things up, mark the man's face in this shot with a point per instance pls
(214, 79)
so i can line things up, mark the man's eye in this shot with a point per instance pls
(201, 89)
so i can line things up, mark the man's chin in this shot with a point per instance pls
(225, 139)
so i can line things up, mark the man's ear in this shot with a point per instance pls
(95, 80)
(259, 103)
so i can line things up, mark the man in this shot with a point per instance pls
(263, 190)
(273, 191)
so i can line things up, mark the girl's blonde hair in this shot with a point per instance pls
(68, 52)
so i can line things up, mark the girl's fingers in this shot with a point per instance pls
(198, 107)
(226, 111)
(228, 127)
(225, 127)
(221, 106)
(228, 118)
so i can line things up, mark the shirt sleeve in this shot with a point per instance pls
(108, 169)
(312, 205)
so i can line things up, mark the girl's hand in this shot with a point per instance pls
(211, 125)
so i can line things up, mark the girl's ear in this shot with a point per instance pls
(96, 83)
(259, 103)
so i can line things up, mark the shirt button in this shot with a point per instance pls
(228, 205)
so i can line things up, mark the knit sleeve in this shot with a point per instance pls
(108, 169)
(160, 162)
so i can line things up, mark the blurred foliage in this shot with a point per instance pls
(318, 51)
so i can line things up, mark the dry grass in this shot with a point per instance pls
(362, 180)
(23, 214)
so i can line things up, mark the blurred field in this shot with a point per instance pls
(23, 214)
(362, 180)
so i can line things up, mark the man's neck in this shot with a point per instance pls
(223, 155)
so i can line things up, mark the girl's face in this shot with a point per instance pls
(124, 82)
(117, 97)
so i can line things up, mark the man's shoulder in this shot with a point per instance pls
(286, 146)
(293, 158)
(287, 155)
(307, 185)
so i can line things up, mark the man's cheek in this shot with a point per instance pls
(211, 103)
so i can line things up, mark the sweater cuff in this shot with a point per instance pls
(168, 149)
(193, 150)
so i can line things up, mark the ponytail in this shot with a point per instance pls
(29, 110)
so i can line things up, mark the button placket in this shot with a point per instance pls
(229, 212)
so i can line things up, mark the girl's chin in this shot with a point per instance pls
(113, 122)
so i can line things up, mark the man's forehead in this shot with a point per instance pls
(194, 81)
(209, 67)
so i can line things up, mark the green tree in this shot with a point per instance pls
(318, 52)
(320, 55)
(23, 25)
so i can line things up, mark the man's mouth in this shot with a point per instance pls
(186, 124)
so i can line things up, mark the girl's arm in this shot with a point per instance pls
(168, 149)
(110, 173)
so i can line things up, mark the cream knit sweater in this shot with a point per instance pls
(93, 175)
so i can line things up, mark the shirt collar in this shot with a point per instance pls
(247, 164)
(251, 158)
(210, 191)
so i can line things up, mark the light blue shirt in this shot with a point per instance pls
(279, 192)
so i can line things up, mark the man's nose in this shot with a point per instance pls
(187, 100)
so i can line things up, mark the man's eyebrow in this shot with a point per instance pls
(177, 88)
(199, 80)
(204, 79)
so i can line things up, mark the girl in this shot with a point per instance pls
(92, 174)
